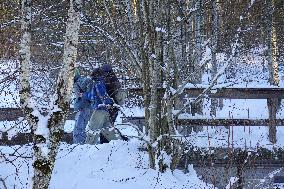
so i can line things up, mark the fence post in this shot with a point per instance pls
(272, 104)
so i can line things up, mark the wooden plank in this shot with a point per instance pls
(213, 122)
(229, 93)
(240, 93)
(222, 156)
(228, 122)
(25, 138)
(241, 122)
(279, 179)
(12, 114)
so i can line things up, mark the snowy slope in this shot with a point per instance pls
(117, 165)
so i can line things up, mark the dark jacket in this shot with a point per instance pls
(111, 81)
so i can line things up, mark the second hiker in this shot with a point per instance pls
(82, 106)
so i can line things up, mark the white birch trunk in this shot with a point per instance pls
(44, 163)
(25, 56)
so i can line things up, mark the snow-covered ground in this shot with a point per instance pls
(118, 165)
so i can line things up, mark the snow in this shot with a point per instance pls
(245, 137)
(117, 164)
(42, 126)
(9, 97)
(232, 181)
(13, 127)
(237, 109)
(158, 29)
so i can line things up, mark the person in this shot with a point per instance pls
(82, 106)
(99, 128)
(113, 88)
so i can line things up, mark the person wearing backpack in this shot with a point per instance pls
(100, 128)
(113, 88)
(82, 106)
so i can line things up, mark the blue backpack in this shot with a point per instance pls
(98, 95)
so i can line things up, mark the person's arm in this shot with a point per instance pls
(102, 93)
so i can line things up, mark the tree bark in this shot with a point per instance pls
(44, 163)
(198, 40)
(272, 45)
(214, 47)
(272, 67)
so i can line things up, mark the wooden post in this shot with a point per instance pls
(272, 104)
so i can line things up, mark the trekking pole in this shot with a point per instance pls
(125, 138)
(119, 108)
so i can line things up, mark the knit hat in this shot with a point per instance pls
(107, 68)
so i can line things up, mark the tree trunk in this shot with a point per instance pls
(272, 104)
(198, 40)
(272, 45)
(44, 163)
(144, 59)
(25, 56)
(214, 48)
(150, 94)
(272, 67)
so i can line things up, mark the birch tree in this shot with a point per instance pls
(48, 129)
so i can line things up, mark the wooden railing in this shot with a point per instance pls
(273, 95)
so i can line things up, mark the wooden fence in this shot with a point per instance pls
(272, 95)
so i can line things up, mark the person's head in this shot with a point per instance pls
(96, 74)
(107, 68)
